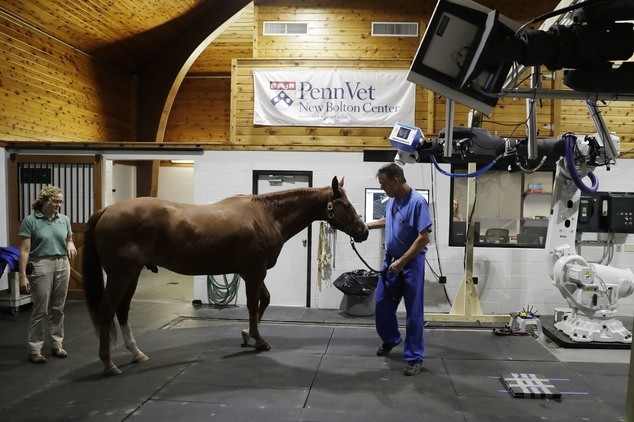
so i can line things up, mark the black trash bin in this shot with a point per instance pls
(358, 287)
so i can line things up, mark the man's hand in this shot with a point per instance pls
(397, 265)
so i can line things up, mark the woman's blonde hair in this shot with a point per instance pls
(46, 194)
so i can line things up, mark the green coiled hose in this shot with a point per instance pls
(222, 292)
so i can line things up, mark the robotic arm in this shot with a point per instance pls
(589, 40)
(591, 290)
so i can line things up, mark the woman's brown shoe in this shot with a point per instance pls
(37, 358)
(59, 353)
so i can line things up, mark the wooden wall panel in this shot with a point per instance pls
(338, 32)
(236, 42)
(200, 112)
(617, 115)
(51, 92)
(122, 33)
(509, 117)
(337, 29)
(245, 135)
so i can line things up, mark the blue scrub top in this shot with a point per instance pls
(404, 220)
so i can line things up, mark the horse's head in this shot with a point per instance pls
(342, 216)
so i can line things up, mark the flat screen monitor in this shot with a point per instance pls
(456, 57)
(376, 199)
(458, 233)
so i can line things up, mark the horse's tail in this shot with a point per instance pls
(92, 272)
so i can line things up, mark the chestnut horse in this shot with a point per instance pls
(242, 234)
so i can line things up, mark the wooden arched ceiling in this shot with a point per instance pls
(154, 41)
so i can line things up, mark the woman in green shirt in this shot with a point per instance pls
(46, 245)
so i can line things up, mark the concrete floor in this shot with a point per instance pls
(322, 367)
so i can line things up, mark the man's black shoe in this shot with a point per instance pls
(384, 349)
(412, 368)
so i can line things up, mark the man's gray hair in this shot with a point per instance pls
(393, 171)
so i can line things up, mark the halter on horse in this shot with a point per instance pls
(242, 234)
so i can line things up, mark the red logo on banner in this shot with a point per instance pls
(281, 85)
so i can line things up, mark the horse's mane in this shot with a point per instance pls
(281, 200)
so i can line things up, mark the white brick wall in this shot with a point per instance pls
(509, 279)
(176, 184)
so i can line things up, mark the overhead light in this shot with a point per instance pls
(182, 161)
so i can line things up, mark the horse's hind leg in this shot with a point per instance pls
(106, 330)
(122, 315)
(104, 350)
(114, 294)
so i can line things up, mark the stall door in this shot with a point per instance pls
(79, 177)
(289, 280)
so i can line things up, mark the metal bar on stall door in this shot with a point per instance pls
(68, 191)
(59, 180)
(24, 190)
(79, 201)
(29, 197)
(77, 185)
(83, 202)
(91, 197)
(72, 190)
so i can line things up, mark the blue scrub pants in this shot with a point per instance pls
(391, 289)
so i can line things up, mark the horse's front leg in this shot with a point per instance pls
(265, 299)
(130, 344)
(258, 298)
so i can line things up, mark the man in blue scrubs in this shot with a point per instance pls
(407, 226)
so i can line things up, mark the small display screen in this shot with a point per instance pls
(376, 199)
(403, 133)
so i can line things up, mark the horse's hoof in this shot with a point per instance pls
(111, 371)
(245, 337)
(141, 358)
(264, 347)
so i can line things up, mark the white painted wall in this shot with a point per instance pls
(123, 181)
(176, 184)
(224, 173)
(509, 279)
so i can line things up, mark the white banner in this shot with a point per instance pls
(367, 98)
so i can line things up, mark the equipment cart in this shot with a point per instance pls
(12, 298)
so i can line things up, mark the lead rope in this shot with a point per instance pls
(354, 248)
(324, 255)
(334, 248)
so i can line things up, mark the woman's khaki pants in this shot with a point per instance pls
(49, 286)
